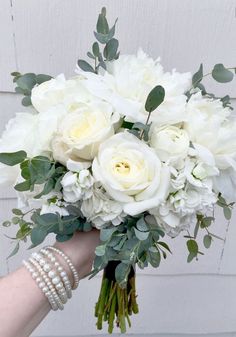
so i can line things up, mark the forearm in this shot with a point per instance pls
(22, 305)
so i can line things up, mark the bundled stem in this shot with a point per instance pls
(115, 304)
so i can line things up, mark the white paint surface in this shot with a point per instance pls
(48, 36)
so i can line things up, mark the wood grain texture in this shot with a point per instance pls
(52, 34)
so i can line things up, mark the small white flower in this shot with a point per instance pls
(77, 186)
(100, 209)
(170, 143)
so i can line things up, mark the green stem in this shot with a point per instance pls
(112, 313)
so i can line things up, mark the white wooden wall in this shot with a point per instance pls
(47, 36)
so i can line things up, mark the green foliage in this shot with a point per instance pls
(134, 241)
(40, 170)
(222, 74)
(197, 77)
(155, 98)
(13, 158)
(105, 36)
(227, 207)
(26, 82)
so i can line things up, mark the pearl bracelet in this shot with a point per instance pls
(55, 278)
(44, 288)
(70, 264)
(48, 282)
(61, 271)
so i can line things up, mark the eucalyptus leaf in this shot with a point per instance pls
(207, 241)
(24, 186)
(102, 24)
(85, 66)
(15, 250)
(141, 235)
(192, 246)
(13, 158)
(38, 235)
(222, 74)
(26, 101)
(155, 98)
(96, 50)
(121, 273)
(110, 49)
(227, 213)
(197, 77)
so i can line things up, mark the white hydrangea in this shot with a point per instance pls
(77, 186)
(100, 208)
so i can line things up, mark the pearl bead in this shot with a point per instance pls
(45, 290)
(38, 279)
(51, 274)
(41, 285)
(60, 269)
(63, 274)
(35, 275)
(42, 262)
(46, 268)
(56, 280)
(59, 285)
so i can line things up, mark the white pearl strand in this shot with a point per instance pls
(61, 271)
(70, 264)
(44, 287)
(48, 282)
(52, 274)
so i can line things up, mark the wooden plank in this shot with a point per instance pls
(8, 61)
(50, 36)
(168, 305)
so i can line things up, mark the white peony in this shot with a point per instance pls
(59, 92)
(100, 209)
(128, 81)
(77, 186)
(81, 132)
(170, 143)
(131, 173)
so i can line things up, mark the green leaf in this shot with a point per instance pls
(154, 258)
(155, 98)
(164, 245)
(227, 213)
(90, 55)
(191, 256)
(221, 74)
(207, 241)
(6, 223)
(206, 222)
(197, 77)
(15, 250)
(102, 24)
(106, 233)
(48, 187)
(63, 237)
(121, 273)
(192, 246)
(141, 235)
(100, 250)
(96, 50)
(13, 158)
(110, 49)
(38, 235)
(142, 225)
(26, 101)
(26, 81)
(21, 187)
(85, 66)
(41, 78)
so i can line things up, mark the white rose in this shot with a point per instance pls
(170, 143)
(81, 132)
(100, 209)
(131, 173)
(128, 81)
(77, 186)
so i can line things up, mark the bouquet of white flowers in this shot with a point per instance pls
(124, 147)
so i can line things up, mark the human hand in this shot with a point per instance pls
(81, 250)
